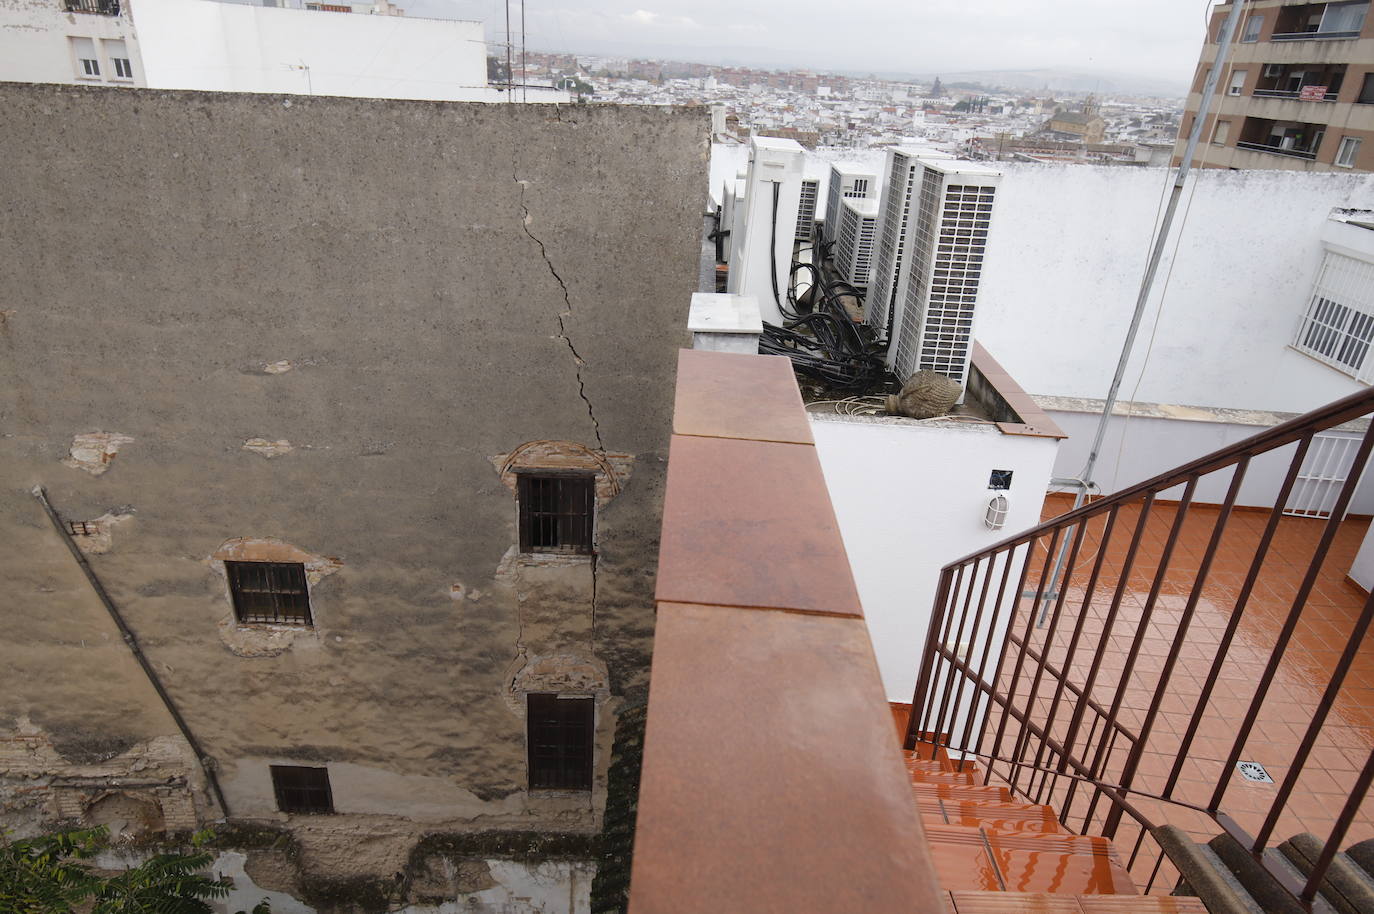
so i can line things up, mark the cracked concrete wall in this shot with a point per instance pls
(403, 291)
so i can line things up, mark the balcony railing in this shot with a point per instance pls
(1109, 664)
(1292, 93)
(101, 7)
(1278, 150)
(1312, 36)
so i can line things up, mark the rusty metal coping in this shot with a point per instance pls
(1015, 412)
(771, 779)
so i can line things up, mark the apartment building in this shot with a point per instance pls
(77, 42)
(1297, 91)
(365, 457)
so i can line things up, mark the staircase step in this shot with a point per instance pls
(967, 765)
(996, 816)
(941, 777)
(1348, 887)
(981, 859)
(1202, 873)
(992, 794)
(1262, 887)
(1044, 903)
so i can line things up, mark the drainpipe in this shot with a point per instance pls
(207, 764)
(1228, 31)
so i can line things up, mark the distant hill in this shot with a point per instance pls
(1065, 81)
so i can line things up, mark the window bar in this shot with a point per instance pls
(1135, 850)
(1021, 654)
(1290, 624)
(1154, 873)
(1127, 565)
(1237, 613)
(1146, 614)
(1002, 653)
(950, 689)
(1338, 831)
(1074, 639)
(1180, 636)
(987, 644)
(1333, 689)
(916, 722)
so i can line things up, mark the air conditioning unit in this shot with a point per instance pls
(806, 210)
(1272, 70)
(854, 240)
(846, 180)
(951, 220)
(888, 285)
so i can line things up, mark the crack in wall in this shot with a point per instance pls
(578, 361)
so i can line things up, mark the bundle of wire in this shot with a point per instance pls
(822, 341)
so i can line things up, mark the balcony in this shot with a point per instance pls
(1299, 94)
(1186, 680)
(1290, 152)
(1320, 22)
(99, 7)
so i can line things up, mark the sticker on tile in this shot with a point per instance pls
(1254, 771)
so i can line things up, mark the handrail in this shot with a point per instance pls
(989, 661)
(1312, 36)
(1277, 150)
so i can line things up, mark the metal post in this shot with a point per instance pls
(1147, 282)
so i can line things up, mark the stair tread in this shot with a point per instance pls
(998, 816)
(973, 902)
(961, 791)
(941, 777)
(1025, 862)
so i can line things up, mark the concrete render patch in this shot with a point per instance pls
(93, 452)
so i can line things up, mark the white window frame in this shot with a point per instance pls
(1348, 152)
(1237, 85)
(1337, 327)
(1221, 132)
(1251, 35)
(84, 67)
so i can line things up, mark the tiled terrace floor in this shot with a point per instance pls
(1323, 631)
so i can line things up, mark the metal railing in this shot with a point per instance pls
(1060, 681)
(1277, 150)
(1311, 36)
(102, 7)
(1292, 94)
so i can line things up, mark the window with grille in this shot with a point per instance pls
(302, 789)
(561, 733)
(1338, 327)
(556, 511)
(269, 592)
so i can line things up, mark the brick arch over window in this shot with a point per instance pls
(612, 471)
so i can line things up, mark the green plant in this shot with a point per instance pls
(45, 876)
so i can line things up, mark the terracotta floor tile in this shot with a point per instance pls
(1014, 903)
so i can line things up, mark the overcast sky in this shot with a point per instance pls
(1158, 38)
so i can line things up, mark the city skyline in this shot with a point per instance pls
(941, 35)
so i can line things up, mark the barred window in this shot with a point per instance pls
(302, 789)
(269, 592)
(556, 511)
(560, 738)
(1338, 327)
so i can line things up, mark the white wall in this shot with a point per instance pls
(910, 498)
(1068, 248)
(196, 44)
(34, 45)
(1136, 449)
